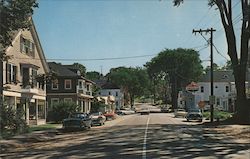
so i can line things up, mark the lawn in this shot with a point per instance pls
(218, 115)
(43, 127)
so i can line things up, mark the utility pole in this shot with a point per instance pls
(211, 99)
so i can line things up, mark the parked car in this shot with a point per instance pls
(110, 115)
(144, 111)
(98, 118)
(124, 111)
(77, 121)
(180, 113)
(194, 115)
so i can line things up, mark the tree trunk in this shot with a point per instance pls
(242, 104)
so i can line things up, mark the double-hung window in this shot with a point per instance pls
(54, 85)
(27, 46)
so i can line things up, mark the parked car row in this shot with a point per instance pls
(80, 120)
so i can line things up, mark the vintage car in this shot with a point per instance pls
(98, 118)
(110, 115)
(194, 115)
(180, 113)
(144, 111)
(125, 111)
(77, 121)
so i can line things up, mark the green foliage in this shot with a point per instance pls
(61, 110)
(15, 15)
(218, 115)
(177, 67)
(43, 127)
(97, 107)
(81, 67)
(12, 121)
(133, 81)
(93, 75)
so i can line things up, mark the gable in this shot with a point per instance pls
(26, 49)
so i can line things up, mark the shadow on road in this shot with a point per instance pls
(126, 141)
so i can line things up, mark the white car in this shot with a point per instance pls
(180, 113)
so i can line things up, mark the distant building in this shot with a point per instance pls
(69, 86)
(224, 89)
(110, 89)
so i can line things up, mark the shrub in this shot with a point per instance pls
(61, 110)
(12, 121)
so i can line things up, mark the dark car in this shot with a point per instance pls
(194, 115)
(98, 118)
(77, 121)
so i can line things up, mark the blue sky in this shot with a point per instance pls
(87, 31)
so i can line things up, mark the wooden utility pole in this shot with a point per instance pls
(212, 98)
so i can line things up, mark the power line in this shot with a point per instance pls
(94, 59)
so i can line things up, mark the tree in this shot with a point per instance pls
(61, 111)
(239, 64)
(81, 67)
(93, 75)
(215, 68)
(133, 81)
(227, 66)
(177, 67)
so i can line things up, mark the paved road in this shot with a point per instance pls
(157, 135)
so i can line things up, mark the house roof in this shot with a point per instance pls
(61, 70)
(39, 46)
(35, 37)
(109, 85)
(219, 76)
(65, 71)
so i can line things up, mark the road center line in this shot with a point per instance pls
(144, 148)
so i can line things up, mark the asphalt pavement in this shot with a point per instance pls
(157, 135)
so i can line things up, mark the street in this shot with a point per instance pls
(157, 135)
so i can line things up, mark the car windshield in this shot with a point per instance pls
(78, 115)
(95, 114)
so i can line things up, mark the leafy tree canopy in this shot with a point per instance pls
(81, 67)
(14, 15)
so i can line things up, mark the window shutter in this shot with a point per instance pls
(14, 75)
(8, 71)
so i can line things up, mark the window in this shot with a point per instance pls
(87, 87)
(54, 101)
(54, 85)
(109, 93)
(227, 88)
(11, 72)
(33, 78)
(116, 94)
(80, 84)
(67, 100)
(27, 47)
(67, 84)
(202, 89)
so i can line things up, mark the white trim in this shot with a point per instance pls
(13, 94)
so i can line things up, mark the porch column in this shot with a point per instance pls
(27, 113)
(81, 103)
(36, 103)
